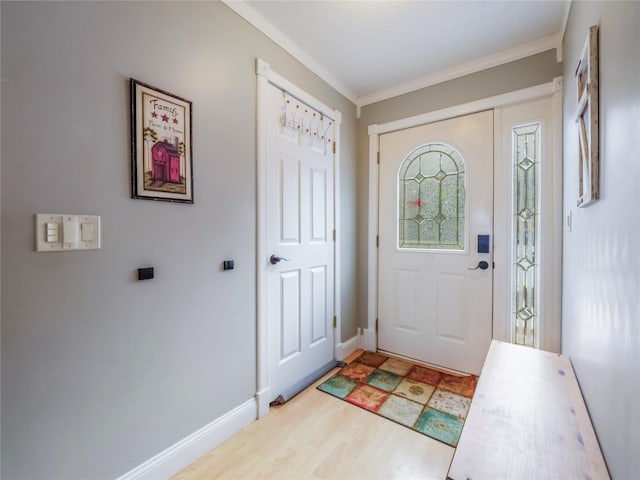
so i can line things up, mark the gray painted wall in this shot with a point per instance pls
(101, 372)
(527, 72)
(601, 281)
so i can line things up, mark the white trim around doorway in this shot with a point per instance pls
(550, 336)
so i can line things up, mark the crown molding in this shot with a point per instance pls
(544, 44)
(537, 46)
(276, 35)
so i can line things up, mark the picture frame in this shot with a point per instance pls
(587, 118)
(161, 145)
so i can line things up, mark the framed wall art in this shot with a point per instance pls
(161, 159)
(588, 121)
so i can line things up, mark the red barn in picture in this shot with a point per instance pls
(165, 162)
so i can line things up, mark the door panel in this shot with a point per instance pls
(290, 314)
(406, 294)
(300, 221)
(290, 200)
(431, 307)
(319, 304)
(452, 324)
(318, 205)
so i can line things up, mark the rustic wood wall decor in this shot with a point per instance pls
(587, 119)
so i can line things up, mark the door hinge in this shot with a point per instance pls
(377, 241)
(376, 325)
(335, 322)
(334, 235)
(334, 148)
(378, 158)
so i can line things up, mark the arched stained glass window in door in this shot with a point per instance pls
(431, 199)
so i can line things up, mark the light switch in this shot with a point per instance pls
(51, 232)
(55, 232)
(86, 232)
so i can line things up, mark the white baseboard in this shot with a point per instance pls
(369, 340)
(189, 449)
(345, 349)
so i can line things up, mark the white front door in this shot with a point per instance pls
(300, 222)
(435, 213)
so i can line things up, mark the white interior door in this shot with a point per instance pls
(435, 199)
(300, 219)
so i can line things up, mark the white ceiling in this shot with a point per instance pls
(371, 50)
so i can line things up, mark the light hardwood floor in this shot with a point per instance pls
(317, 436)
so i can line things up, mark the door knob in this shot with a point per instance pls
(274, 259)
(482, 265)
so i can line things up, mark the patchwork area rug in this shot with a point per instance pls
(425, 400)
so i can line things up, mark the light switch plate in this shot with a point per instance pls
(70, 232)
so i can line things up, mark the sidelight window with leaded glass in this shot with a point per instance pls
(526, 221)
(431, 199)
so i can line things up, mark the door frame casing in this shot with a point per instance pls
(550, 332)
(266, 76)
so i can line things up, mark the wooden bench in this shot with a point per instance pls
(527, 420)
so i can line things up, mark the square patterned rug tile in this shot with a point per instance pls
(425, 400)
